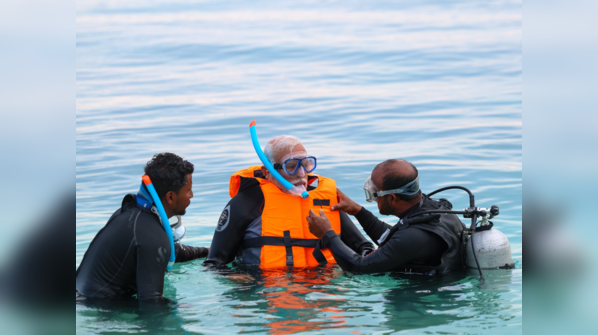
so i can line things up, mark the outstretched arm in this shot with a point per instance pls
(401, 248)
(185, 253)
(371, 224)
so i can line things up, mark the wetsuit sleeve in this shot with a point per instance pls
(236, 216)
(152, 257)
(371, 224)
(185, 253)
(352, 237)
(402, 247)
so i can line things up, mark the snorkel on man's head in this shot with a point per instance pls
(289, 157)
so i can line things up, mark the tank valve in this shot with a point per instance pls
(493, 211)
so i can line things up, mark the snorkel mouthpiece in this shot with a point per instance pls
(163, 217)
(294, 190)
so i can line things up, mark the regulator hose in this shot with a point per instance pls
(475, 256)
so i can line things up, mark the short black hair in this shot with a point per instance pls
(392, 180)
(168, 172)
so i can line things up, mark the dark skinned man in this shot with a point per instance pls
(130, 253)
(430, 244)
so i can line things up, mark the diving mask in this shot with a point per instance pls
(372, 192)
(178, 230)
(290, 166)
(176, 224)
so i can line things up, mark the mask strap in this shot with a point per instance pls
(409, 189)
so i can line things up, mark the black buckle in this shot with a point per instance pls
(288, 247)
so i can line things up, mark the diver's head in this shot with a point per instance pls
(401, 178)
(290, 159)
(171, 176)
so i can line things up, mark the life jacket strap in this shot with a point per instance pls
(288, 243)
(288, 247)
(318, 255)
(275, 240)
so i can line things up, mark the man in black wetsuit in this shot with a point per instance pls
(245, 218)
(129, 254)
(429, 244)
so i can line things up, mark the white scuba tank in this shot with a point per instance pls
(492, 249)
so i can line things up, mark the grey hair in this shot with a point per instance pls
(279, 144)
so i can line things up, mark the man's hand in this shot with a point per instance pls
(318, 224)
(345, 204)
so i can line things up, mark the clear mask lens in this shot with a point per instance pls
(372, 192)
(176, 224)
(291, 166)
(178, 230)
(369, 189)
(309, 163)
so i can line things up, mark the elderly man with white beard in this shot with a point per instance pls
(266, 226)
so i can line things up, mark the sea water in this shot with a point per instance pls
(435, 82)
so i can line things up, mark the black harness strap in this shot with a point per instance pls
(288, 247)
(318, 255)
(274, 240)
(288, 243)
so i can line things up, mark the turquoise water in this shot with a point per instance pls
(436, 83)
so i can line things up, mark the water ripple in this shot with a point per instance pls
(435, 82)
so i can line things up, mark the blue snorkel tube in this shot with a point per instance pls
(150, 187)
(268, 165)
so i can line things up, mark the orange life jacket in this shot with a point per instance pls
(286, 240)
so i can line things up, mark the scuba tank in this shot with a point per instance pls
(483, 246)
(492, 248)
